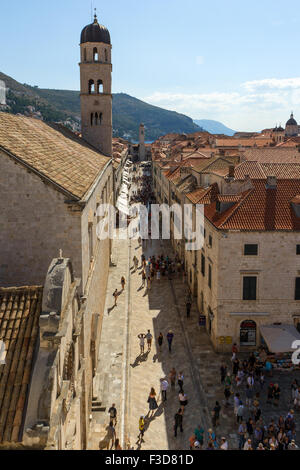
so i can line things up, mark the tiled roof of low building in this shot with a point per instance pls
(53, 151)
(272, 155)
(250, 142)
(20, 310)
(198, 195)
(260, 208)
(258, 170)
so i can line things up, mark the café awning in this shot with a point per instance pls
(280, 338)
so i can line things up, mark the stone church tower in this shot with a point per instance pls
(142, 152)
(95, 87)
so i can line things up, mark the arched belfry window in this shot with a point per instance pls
(95, 54)
(99, 86)
(106, 55)
(96, 119)
(84, 54)
(100, 118)
(91, 86)
(92, 119)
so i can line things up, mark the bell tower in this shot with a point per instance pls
(96, 87)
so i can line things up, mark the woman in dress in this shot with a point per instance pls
(152, 402)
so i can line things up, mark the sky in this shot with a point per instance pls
(232, 61)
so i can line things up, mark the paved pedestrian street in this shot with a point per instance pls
(125, 377)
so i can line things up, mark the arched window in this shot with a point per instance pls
(106, 55)
(99, 86)
(96, 119)
(95, 55)
(92, 119)
(100, 118)
(248, 333)
(84, 54)
(91, 86)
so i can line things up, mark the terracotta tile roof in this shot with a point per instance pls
(248, 142)
(272, 155)
(204, 195)
(198, 195)
(260, 208)
(288, 143)
(53, 151)
(258, 170)
(19, 321)
(229, 197)
(252, 169)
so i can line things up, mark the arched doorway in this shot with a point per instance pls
(248, 333)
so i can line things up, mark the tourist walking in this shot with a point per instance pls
(170, 337)
(223, 372)
(160, 341)
(149, 340)
(116, 295)
(152, 402)
(142, 337)
(276, 394)
(141, 430)
(164, 385)
(240, 412)
(188, 304)
(216, 415)
(110, 436)
(180, 381)
(123, 282)
(172, 378)
(234, 351)
(143, 278)
(135, 263)
(113, 414)
(178, 418)
(182, 400)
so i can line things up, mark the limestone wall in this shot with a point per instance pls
(35, 222)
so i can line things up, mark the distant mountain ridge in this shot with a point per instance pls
(214, 127)
(64, 106)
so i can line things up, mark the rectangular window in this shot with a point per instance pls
(209, 276)
(297, 289)
(251, 250)
(249, 287)
(298, 249)
(210, 241)
(203, 264)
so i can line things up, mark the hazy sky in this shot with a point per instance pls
(229, 60)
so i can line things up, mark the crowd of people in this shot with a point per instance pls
(245, 380)
(143, 192)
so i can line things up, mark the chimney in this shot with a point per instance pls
(271, 182)
(231, 171)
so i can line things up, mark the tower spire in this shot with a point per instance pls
(95, 16)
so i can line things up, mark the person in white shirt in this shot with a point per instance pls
(248, 445)
(164, 385)
(183, 400)
(250, 381)
(224, 444)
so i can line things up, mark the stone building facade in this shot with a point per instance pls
(246, 275)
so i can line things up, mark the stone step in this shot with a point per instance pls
(99, 409)
(96, 403)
